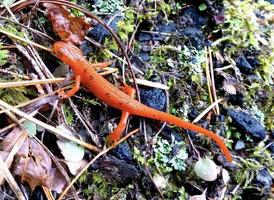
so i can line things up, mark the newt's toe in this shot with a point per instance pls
(112, 139)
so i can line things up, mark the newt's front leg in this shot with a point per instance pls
(116, 134)
(73, 90)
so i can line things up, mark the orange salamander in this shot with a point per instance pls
(114, 97)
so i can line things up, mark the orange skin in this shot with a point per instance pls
(116, 134)
(114, 97)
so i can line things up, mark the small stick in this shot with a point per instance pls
(207, 110)
(31, 82)
(209, 83)
(46, 81)
(150, 84)
(4, 171)
(28, 28)
(52, 129)
(25, 40)
(213, 80)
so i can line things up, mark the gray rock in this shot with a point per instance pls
(264, 178)
(239, 145)
(247, 123)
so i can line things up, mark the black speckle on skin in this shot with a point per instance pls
(107, 94)
(120, 103)
(90, 77)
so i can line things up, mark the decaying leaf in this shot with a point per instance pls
(32, 163)
(67, 26)
(199, 197)
(230, 84)
(72, 152)
(76, 167)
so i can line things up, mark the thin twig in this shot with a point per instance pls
(10, 179)
(213, 80)
(93, 136)
(123, 61)
(46, 81)
(25, 40)
(208, 79)
(5, 71)
(28, 28)
(200, 116)
(31, 82)
(38, 98)
(15, 148)
(150, 84)
(52, 129)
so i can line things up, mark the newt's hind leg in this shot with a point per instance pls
(116, 134)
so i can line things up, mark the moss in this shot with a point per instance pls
(4, 54)
(16, 95)
(69, 114)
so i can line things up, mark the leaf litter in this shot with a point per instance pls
(31, 162)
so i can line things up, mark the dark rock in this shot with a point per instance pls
(217, 119)
(244, 65)
(271, 148)
(247, 123)
(253, 61)
(169, 27)
(239, 145)
(220, 118)
(99, 32)
(153, 97)
(193, 113)
(145, 57)
(264, 178)
(252, 193)
(253, 79)
(191, 17)
(123, 152)
(169, 133)
(38, 194)
(195, 36)
(236, 99)
(116, 170)
(86, 47)
(191, 189)
(143, 37)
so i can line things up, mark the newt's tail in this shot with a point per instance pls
(161, 116)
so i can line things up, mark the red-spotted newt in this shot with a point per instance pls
(113, 96)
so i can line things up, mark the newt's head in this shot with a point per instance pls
(67, 52)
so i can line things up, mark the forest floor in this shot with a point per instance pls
(210, 62)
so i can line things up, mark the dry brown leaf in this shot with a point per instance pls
(10, 140)
(32, 163)
(67, 26)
